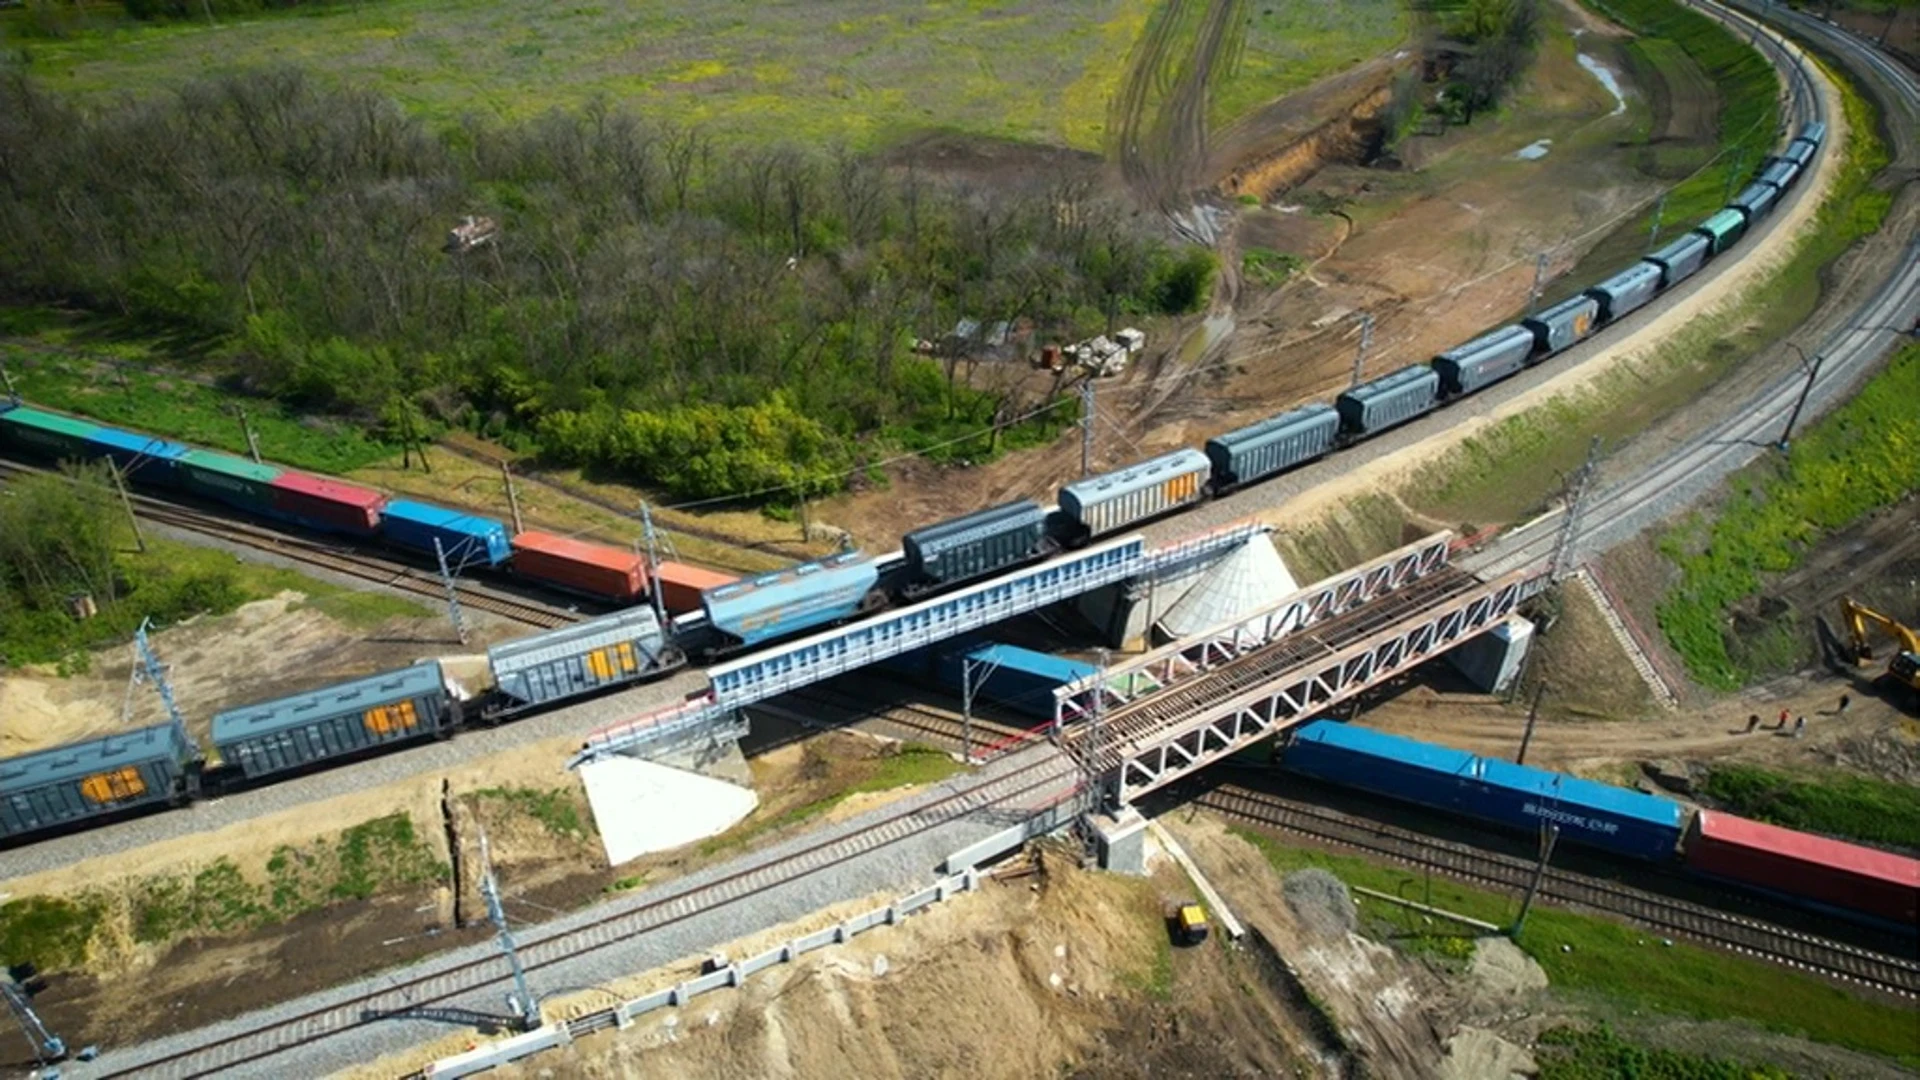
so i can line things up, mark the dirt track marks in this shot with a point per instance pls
(1161, 110)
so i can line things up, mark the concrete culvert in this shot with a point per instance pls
(1321, 902)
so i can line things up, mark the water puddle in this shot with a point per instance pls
(1607, 79)
(1533, 151)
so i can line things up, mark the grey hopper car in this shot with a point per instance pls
(1375, 406)
(1678, 260)
(297, 731)
(1563, 325)
(1276, 443)
(1755, 200)
(1815, 133)
(620, 648)
(1101, 504)
(974, 545)
(1627, 290)
(1799, 151)
(96, 778)
(1484, 360)
(1780, 174)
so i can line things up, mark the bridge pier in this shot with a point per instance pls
(1122, 841)
(1126, 612)
(1493, 660)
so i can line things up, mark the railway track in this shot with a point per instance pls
(1896, 976)
(337, 558)
(938, 726)
(403, 995)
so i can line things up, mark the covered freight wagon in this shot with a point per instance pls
(1563, 325)
(1723, 230)
(335, 721)
(1011, 677)
(581, 566)
(976, 545)
(1756, 201)
(467, 539)
(799, 598)
(1797, 864)
(1780, 174)
(1484, 360)
(330, 505)
(145, 459)
(241, 484)
(680, 585)
(1678, 260)
(1594, 814)
(1272, 445)
(46, 434)
(1390, 400)
(1799, 151)
(1101, 504)
(583, 658)
(91, 779)
(1627, 290)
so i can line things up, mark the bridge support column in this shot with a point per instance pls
(1122, 839)
(1492, 660)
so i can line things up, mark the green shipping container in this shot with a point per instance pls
(47, 434)
(231, 480)
(1723, 229)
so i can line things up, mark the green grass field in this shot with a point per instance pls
(1288, 45)
(1625, 966)
(857, 71)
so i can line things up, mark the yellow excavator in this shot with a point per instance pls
(1903, 668)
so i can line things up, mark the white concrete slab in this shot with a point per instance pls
(642, 807)
(1243, 582)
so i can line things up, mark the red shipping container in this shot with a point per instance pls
(1798, 864)
(328, 504)
(681, 585)
(580, 565)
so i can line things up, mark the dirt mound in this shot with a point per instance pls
(1321, 902)
(1351, 139)
(1502, 970)
(1478, 1054)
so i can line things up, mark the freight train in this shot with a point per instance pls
(1807, 869)
(713, 615)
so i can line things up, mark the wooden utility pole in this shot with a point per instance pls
(1533, 714)
(6, 379)
(1552, 834)
(126, 503)
(1366, 342)
(513, 497)
(253, 440)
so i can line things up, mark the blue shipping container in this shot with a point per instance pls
(1590, 813)
(789, 601)
(143, 457)
(1012, 677)
(467, 539)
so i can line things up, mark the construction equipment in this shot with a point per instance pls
(1903, 668)
(1189, 924)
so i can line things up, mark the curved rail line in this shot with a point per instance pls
(336, 558)
(418, 995)
(1893, 975)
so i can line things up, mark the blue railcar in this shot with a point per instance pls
(1373, 407)
(1815, 133)
(803, 597)
(584, 658)
(1484, 360)
(1102, 504)
(142, 457)
(1627, 290)
(975, 545)
(96, 778)
(1273, 445)
(1679, 260)
(1755, 201)
(335, 721)
(1011, 677)
(1800, 152)
(1590, 813)
(467, 539)
(1563, 325)
(1781, 173)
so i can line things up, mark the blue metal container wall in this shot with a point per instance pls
(146, 459)
(977, 544)
(1153, 487)
(775, 605)
(291, 732)
(1389, 400)
(1564, 324)
(467, 539)
(1627, 290)
(1678, 260)
(1596, 815)
(44, 789)
(1272, 445)
(1012, 677)
(579, 659)
(1484, 360)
